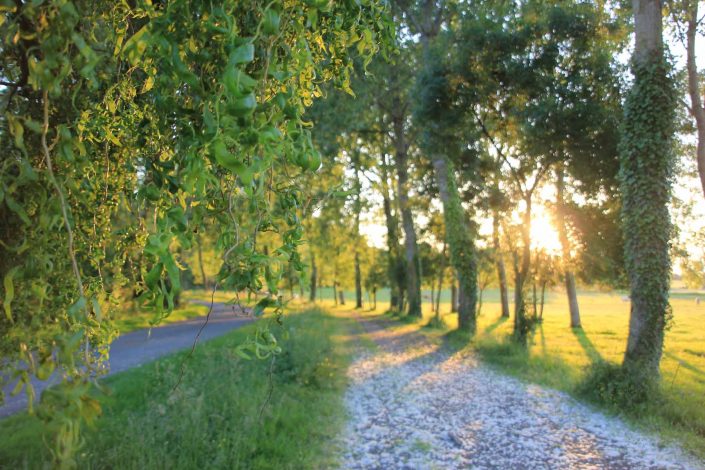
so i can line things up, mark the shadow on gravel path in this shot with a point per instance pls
(418, 405)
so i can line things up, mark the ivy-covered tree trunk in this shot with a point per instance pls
(460, 243)
(501, 270)
(694, 89)
(646, 168)
(570, 289)
(413, 271)
(314, 275)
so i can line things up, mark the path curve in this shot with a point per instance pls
(138, 347)
(415, 405)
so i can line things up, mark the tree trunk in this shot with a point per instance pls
(394, 270)
(543, 298)
(358, 209)
(314, 275)
(438, 295)
(453, 296)
(433, 296)
(646, 166)
(335, 293)
(535, 299)
(441, 272)
(358, 281)
(460, 243)
(565, 248)
(696, 102)
(521, 323)
(501, 271)
(481, 290)
(341, 294)
(413, 271)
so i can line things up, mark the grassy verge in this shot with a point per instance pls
(213, 419)
(131, 321)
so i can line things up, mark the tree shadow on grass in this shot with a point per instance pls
(589, 348)
(686, 365)
(543, 339)
(497, 323)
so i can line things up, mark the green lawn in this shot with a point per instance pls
(213, 419)
(558, 355)
(129, 320)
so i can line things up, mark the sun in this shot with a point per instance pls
(544, 236)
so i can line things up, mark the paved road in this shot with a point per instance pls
(138, 347)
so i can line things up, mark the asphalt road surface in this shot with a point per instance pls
(139, 347)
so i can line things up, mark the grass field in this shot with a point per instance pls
(213, 419)
(558, 355)
(130, 321)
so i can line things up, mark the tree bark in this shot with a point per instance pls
(396, 283)
(481, 290)
(501, 271)
(453, 296)
(648, 29)
(521, 325)
(543, 299)
(358, 209)
(570, 289)
(440, 281)
(460, 243)
(413, 270)
(358, 281)
(696, 102)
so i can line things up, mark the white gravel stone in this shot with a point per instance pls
(414, 405)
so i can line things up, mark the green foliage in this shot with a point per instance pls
(462, 254)
(130, 127)
(693, 273)
(646, 172)
(618, 387)
(213, 419)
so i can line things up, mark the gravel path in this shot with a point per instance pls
(141, 346)
(415, 405)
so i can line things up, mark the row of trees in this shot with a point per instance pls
(488, 106)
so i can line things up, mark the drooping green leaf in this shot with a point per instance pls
(9, 292)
